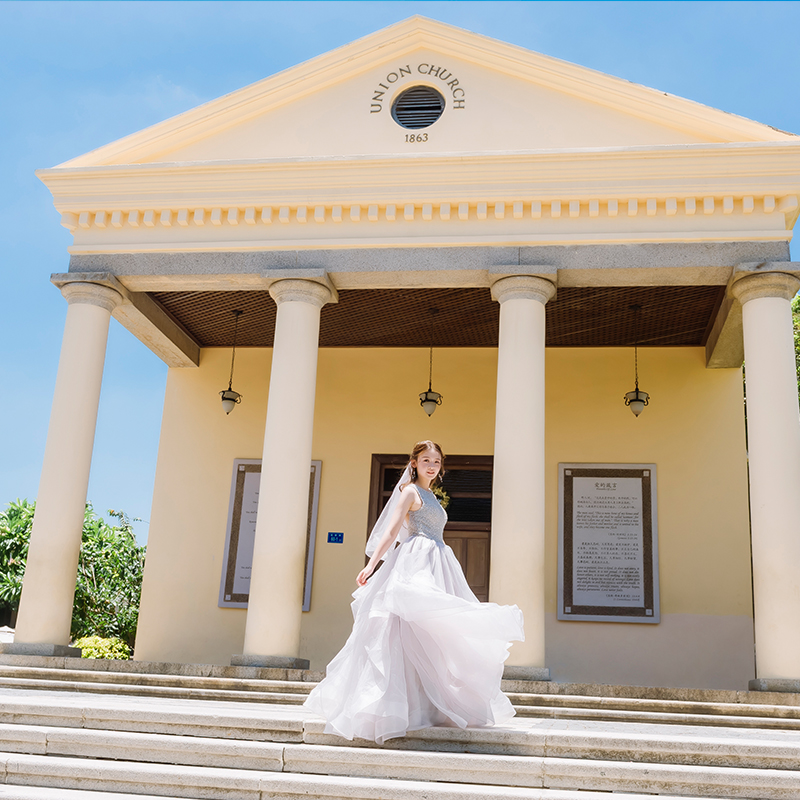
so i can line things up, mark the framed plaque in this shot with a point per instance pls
(237, 559)
(607, 543)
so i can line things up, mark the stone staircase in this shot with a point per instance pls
(70, 730)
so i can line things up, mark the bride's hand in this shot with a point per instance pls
(361, 578)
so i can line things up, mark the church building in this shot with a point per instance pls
(428, 234)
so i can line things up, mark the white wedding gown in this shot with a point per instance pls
(424, 651)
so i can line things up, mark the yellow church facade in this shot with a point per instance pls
(427, 208)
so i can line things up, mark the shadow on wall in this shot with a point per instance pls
(690, 651)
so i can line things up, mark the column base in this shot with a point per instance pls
(787, 685)
(28, 649)
(276, 662)
(526, 674)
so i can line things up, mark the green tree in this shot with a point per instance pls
(110, 570)
(15, 533)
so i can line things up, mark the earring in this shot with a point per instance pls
(413, 473)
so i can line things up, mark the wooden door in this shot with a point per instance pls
(471, 548)
(468, 484)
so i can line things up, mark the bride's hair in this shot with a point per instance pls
(419, 448)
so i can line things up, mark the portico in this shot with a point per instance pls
(534, 250)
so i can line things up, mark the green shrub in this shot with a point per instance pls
(97, 647)
(15, 532)
(109, 579)
(109, 583)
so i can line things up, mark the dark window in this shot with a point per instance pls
(467, 480)
(418, 107)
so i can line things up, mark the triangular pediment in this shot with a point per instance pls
(498, 97)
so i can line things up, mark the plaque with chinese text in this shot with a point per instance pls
(240, 539)
(607, 543)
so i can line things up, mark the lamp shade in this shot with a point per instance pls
(637, 400)
(429, 400)
(229, 400)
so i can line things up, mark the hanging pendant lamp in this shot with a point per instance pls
(230, 398)
(429, 399)
(637, 399)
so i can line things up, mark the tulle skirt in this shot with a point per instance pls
(423, 651)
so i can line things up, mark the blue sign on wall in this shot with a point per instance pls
(335, 538)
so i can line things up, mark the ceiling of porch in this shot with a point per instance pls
(671, 316)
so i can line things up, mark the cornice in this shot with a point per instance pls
(660, 172)
(573, 208)
(727, 192)
(475, 238)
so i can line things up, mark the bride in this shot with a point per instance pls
(423, 651)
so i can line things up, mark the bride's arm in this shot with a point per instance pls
(407, 498)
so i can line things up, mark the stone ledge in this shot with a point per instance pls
(394, 775)
(761, 691)
(56, 651)
(159, 668)
(733, 696)
(270, 662)
(593, 258)
(49, 793)
(526, 674)
(781, 685)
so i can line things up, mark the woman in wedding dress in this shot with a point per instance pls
(423, 651)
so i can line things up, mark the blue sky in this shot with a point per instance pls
(76, 75)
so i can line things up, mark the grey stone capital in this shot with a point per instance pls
(523, 287)
(302, 291)
(765, 284)
(94, 294)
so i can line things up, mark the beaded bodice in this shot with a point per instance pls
(430, 519)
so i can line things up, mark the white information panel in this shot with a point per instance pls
(240, 538)
(608, 543)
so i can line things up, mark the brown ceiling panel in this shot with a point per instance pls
(602, 316)
(577, 317)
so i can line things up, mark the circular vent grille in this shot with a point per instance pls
(418, 107)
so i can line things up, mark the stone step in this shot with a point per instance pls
(168, 669)
(549, 706)
(156, 680)
(283, 695)
(235, 721)
(267, 681)
(49, 793)
(631, 711)
(298, 791)
(209, 731)
(97, 743)
(489, 756)
(606, 742)
(259, 679)
(552, 779)
(276, 723)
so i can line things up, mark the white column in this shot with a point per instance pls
(773, 435)
(272, 633)
(45, 610)
(518, 536)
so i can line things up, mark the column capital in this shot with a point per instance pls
(93, 294)
(300, 290)
(525, 287)
(765, 284)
